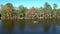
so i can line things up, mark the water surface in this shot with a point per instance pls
(30, 26)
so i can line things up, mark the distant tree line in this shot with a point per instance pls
(8, 10)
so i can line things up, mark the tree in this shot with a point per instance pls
(40, 11)
(54, 6)
(21, 10)
(47, 9)
(1, 6)
(55, 9)
(8, 10)
(47, 6)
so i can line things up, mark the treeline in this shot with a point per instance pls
(8, 10)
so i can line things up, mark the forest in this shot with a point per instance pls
(47, 11)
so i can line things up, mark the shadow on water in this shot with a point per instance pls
(50, 23)
(21, 23)
(7, 26)
(54, 24)
(47, 24)
(34, 24)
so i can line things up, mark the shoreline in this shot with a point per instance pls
(30, 18)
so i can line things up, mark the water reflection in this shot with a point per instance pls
(47, 25)
(34, 24)
(7, 26)
(21, 23)
(54, 24)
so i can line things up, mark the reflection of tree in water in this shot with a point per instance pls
(54, 24)
(7, 26)
(46, 25)
(33, 24)
(21, 23)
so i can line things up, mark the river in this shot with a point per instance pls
(30, 26)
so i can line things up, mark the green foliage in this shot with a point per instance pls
(21, 10)
(9, 8)
(54, 6)
(47, 6)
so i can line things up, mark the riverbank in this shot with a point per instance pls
(30, 18)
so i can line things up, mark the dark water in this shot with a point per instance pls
(30, 26)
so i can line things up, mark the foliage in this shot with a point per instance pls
(8, 9)
(21, 10)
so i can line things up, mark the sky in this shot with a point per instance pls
(30, 3)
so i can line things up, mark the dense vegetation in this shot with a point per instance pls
(8, 10)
